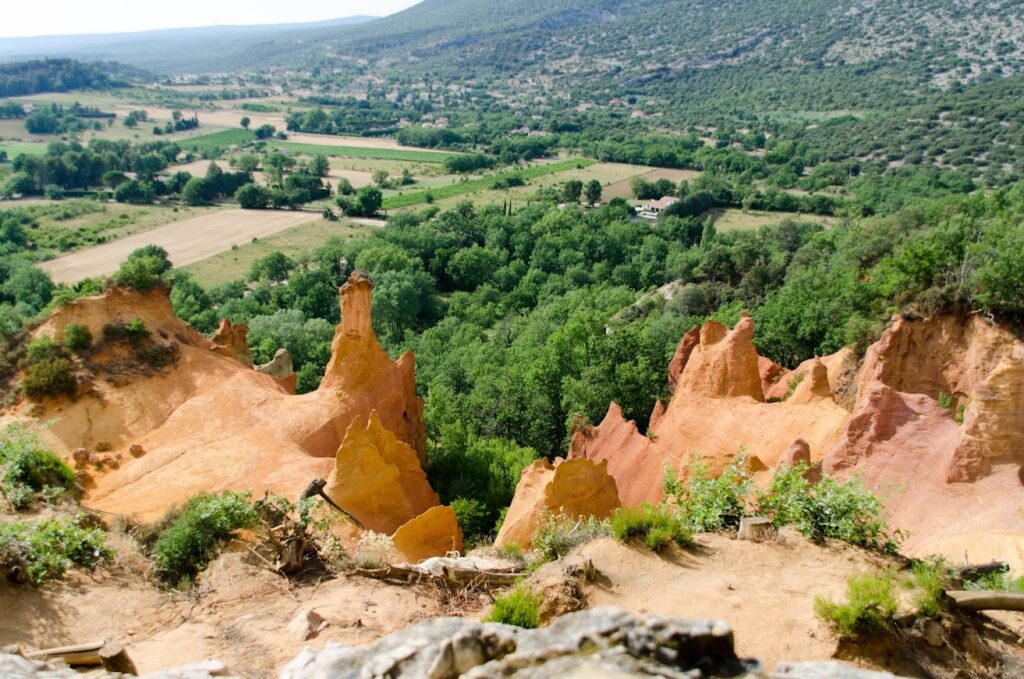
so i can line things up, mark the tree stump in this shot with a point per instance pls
(115, 659)
(755, 528)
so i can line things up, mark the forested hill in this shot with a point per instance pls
(61, 75)
(786, 54)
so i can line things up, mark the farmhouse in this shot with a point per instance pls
(653, 209)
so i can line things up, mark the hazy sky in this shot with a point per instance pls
(62, 17)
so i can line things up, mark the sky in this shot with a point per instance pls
(20, 18)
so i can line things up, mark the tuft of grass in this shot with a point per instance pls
(870, 604)
(927, 580)
(193, 538)
(519, 607)
(657, 526)
(557, 534)
(37, 552)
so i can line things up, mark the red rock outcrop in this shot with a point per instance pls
(377, 478)
(717, 411)
(209, 423)
(233, 341)
(575, 488)
(951, 487)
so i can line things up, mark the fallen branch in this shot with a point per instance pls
(976, 571)
(454, 576)
(988, 601)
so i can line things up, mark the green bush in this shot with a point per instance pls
(828, 509)
(36, 552)
(77, 338)
(871, 603)
(927, 580)
(997, 582)
(658, 526)
(42, 348)
(192, 539)
(519, 607)
(143, 269)
(136, 331)
(53, 376)
(557, 534)
(711, 503)
(473, 517)
(29, 468)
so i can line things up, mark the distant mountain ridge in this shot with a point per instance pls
(171, 50)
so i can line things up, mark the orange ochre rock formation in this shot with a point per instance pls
(952, 487)
(576, 488)
(211, 422)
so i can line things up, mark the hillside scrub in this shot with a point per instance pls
(557, 534)
(871, 601)
(193, 537)
(30, 471)
(519, 606)
(657, 527)
(35, 552)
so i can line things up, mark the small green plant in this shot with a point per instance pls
(945, 400)
(557, 534)
(43, 348)
(136, 331)
(192, 539)
(519, 607)
(927, 582)
(657, 526)
(77, 338)
(959, 417)
(871, 603)
(708, 503)
(36, 552)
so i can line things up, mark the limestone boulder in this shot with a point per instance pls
(377, 478)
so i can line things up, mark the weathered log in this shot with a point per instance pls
(755, 528)
(77, 655)
(115, 659)
(988, 600)
(973, 572)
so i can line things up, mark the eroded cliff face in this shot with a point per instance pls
(209, 422)
(233, 341)
(575, 488)
(951, 486)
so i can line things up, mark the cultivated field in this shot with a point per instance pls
(735, 219)
(233, 264)
(623, 189)
(186, 242)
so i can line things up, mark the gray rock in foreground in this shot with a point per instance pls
(602, 643)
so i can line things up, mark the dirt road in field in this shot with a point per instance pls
(187, 241)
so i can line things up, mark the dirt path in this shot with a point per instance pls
(186, 242)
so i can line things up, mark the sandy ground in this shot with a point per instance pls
(238, 614)
(764, 591)
(186, 241)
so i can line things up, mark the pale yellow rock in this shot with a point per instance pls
(435, 532)
(377, 478)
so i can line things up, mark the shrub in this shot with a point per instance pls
(45, 550)
(42, 348)
(192, 539)
(28, 468)
(557, 534)
(143, 269)
(77, 337)
(658, 526)
(50, 377)
(871, 602)
(711, 503)
(997, 582)
(926, 579)
(828, 509)
(519, 607)
(136, 331)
